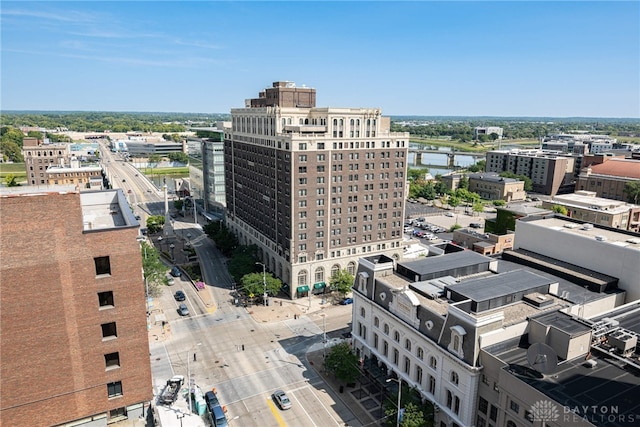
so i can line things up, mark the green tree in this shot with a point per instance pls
(454, 202)
(478, 167)
(559, 209)
(154, 271)
(34, 134)
(155, 223)
(10, 134)
(341, 282)
(478, 207)
(11, 151)
(10, 180)
(494, 136)
(632, 191)
(253, 284)
(499, 202)
(343, 363)
(527, 181)
(178, 157)
(414, 174)
(242, 262)
(463, 184)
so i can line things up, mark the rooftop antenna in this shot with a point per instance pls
(542, 358)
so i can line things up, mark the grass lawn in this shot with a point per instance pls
(165, 171)
(15, 169)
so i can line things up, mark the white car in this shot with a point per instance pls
(449, 214)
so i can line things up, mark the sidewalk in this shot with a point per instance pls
(363, 400)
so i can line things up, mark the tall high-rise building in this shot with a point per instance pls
(314, 188)
(74, 344)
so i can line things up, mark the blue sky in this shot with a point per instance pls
(554, 59)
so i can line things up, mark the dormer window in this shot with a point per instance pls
(457, 339)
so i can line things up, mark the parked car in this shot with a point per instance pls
(179, 296)
(218, 417)
(170, 280)
(183, 310)
(449, 214)
(175, 271)
(282, 399)
(475, 225)
(408, 229)
(346, 301)
(211, 399)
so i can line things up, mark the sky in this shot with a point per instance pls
(426, 58)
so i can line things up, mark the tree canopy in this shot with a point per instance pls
(341, 282)
(154, 271)
(632, 191)
(254, 285)
(343, 363)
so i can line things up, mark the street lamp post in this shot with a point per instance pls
(399, 381)
(160, 242)
(172, 246)
(264, 283)
(189, 376)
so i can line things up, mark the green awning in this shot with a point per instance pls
(319, 285)
(302, 289)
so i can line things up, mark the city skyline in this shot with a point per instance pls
(501, 59)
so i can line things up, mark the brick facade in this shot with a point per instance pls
(53, 367)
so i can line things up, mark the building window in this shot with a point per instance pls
(407, 365)
(480, 422)
(407, 344)
(528, 416)
(456, 404)
(432, 384)
(396, 336)
(493, 413)
(109, 330)
(362, 312)
(514, 406)
(455, 379)
(102, 265)
(385, 349)
(386, 329)
(112, 360)
(375, 341)
(511, 424)
(418, 374)
(449, 399)
(118, 413)
(396, 356)
(420, 353)
(433, 362)
(376, 322)
(105, 299)
(483, 405)
(114, 389)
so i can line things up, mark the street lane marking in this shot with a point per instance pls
(276, 413)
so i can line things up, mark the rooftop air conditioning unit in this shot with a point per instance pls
(587, 226)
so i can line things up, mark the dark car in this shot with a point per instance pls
(346, 301)
(124, 180)
(211, 399)
(475, 225)
(282, 399)
(175, 272)
(179, 296)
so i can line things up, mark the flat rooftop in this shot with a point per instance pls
(608, 236)
(604, 387)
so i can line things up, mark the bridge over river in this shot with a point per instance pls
(442, 158)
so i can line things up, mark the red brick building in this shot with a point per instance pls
(74, 344)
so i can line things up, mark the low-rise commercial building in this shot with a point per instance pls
(492, 186)
(585, 206)
(483, 243)
(608, 178)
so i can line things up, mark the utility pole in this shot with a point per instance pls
(264, 283)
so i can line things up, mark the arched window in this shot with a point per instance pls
(362, 312)
(396, 336)
(511, 424)
(335, 122)
(407, 344)
(351, 268)
(376, 322)
(433, 362)
(335, 269)
(302, 278)
(420, 353)
(455, 379)
(386, 329)
(319, 275)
